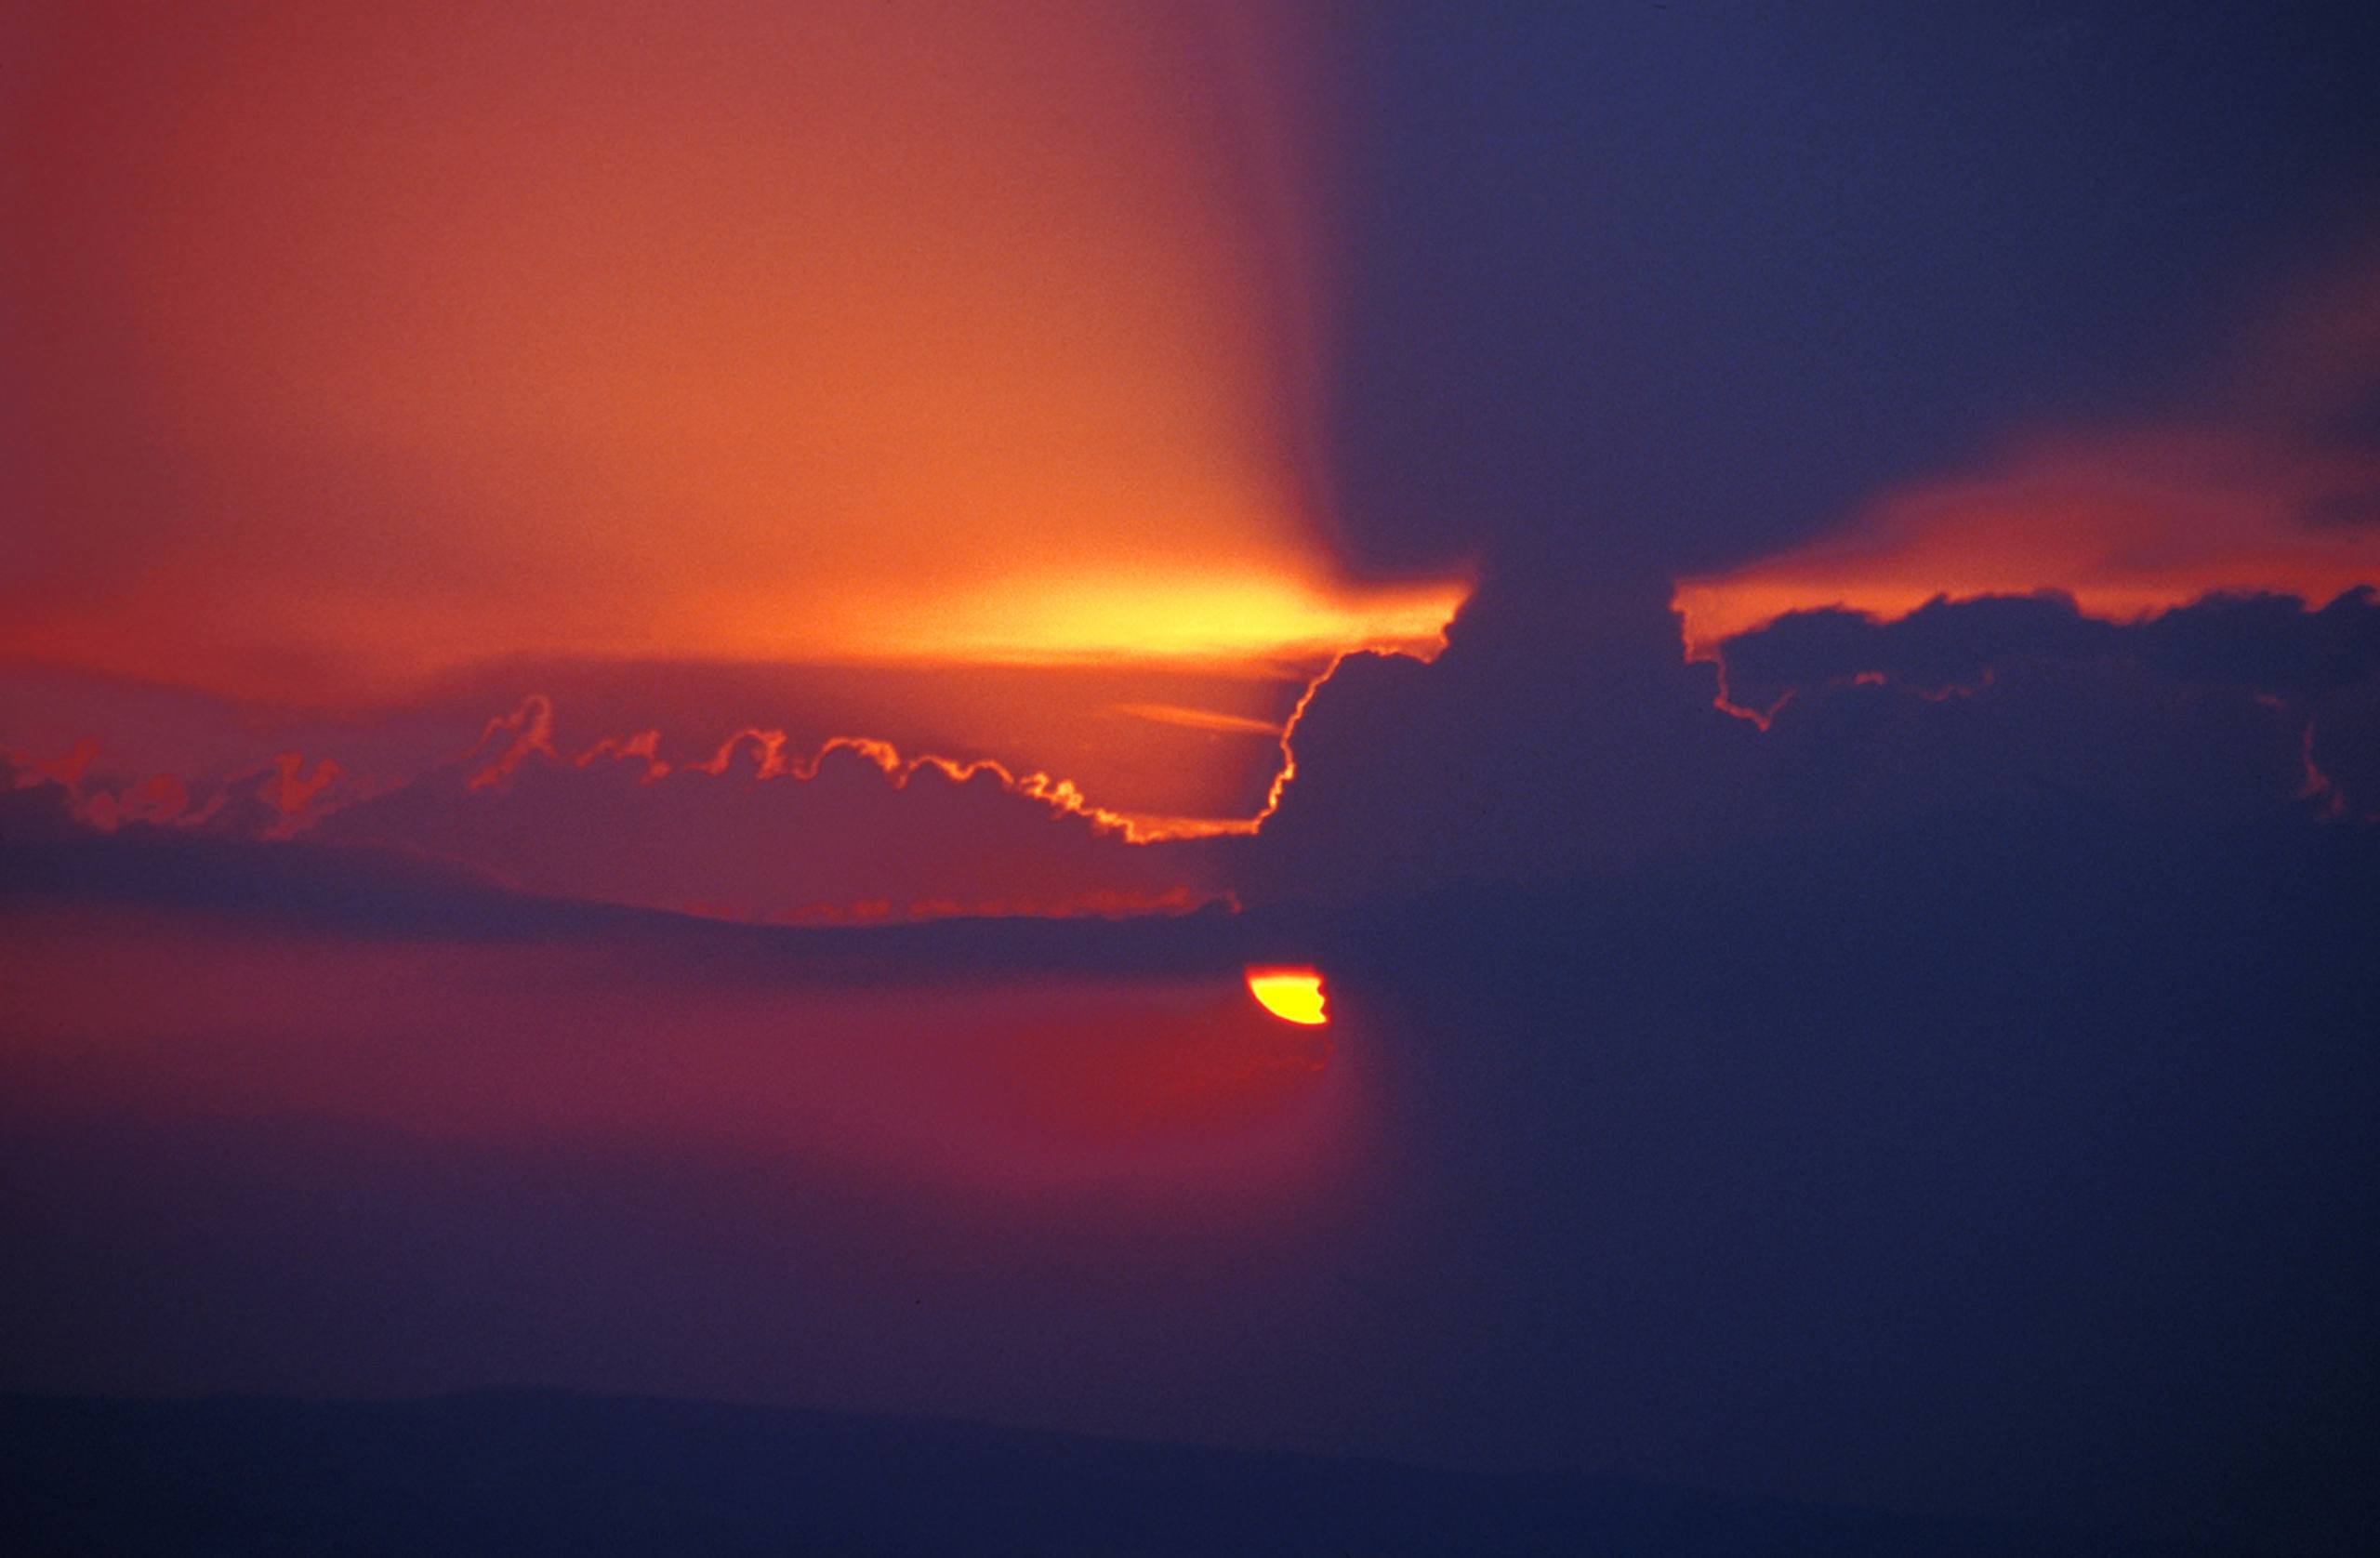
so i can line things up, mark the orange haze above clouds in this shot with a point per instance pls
(364, 344)
(2271, 485)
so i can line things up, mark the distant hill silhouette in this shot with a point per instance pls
(528, 1472)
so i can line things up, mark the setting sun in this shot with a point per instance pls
(1292, 994)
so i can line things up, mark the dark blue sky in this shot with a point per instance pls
(1662, 285)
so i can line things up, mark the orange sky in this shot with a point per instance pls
(365, 343)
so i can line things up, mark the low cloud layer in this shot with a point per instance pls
(754, 829)
(855, 830)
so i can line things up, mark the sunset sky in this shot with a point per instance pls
(1118, 716)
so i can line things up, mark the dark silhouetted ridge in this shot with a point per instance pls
(525, 1471)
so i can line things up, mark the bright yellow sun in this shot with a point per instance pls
(1292, 994)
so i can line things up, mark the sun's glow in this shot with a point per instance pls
(1292, 994)
(1249, 619)
(833, 334)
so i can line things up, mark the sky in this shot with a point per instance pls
(662, 668)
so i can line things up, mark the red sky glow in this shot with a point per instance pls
(370, 344)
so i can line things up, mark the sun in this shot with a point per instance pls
(1292, 994)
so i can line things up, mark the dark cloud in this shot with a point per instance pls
(2268, 643)
(1564, 731)
(2235, 703)
(1936, 647)
(1560, 730)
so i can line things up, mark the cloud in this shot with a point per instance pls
(2234, 701)
(273, 799)
(755, 827)
(130, 752)
(1559, 730)
(2269, 643)
(1539, 747)
(2111, 616)
(1067, 721)
(759, 830)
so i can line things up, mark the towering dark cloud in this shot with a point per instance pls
(1564, 731)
